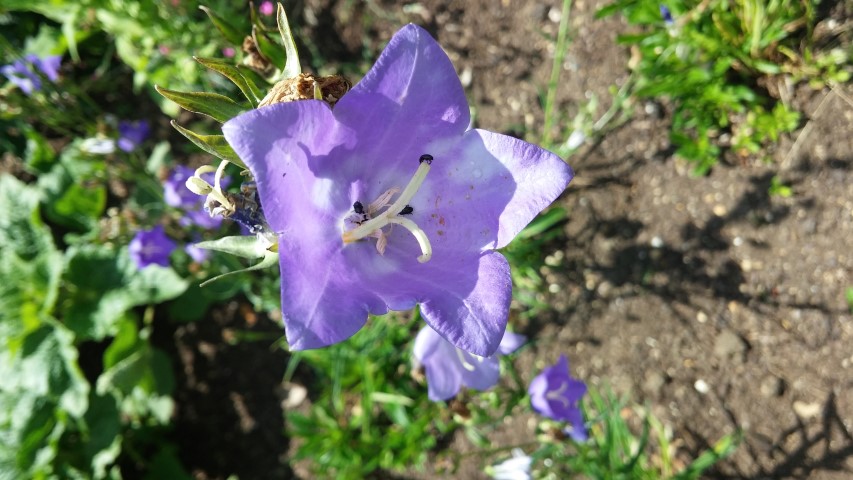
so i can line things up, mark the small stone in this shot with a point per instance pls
(720, 210)
(656, 242)
(295, 395)
(654, 382)
(729, 345)
(701, 386)
(806, 410)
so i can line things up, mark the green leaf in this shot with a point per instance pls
(228, 31)
(231, 72)
(246, 246)
(292, 67)
(31, 266)
(96, 303)
(76, 194)
(269, 49)
(215, 145)
(39, 155)
(269, 260)
(216, 106)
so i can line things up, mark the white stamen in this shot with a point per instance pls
(392, 216)
(419, 234)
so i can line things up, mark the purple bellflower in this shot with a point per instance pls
(131, 134)
(390, 200)
(151, 247)
(448, 368)
(23, 72)
(555, 394)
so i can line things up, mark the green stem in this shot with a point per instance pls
(559, 55)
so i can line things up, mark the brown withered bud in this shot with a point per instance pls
(459, 408)
(301, 87)
(254, 59)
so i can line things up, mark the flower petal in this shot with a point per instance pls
(410, 98)
(486, 189)
(472, 317)
(427, 343)
(443, 379)
(511, 342)
(480, 373)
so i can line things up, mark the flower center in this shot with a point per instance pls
(370, 222)
(559, 394)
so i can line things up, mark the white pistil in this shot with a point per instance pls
(391, 215)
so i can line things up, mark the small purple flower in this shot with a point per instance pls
(666, 15)
(555, 394)
(175, 191)
(448, 368)
(198, 255)
(49, 66)
(151, 247)
(131, 134)
(229, 52)
(23, 72)
(396, 151)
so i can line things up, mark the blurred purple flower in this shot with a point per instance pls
(317, 169)
(131, 134)
(197, 254)
(229, 52)
(448, 368)
(555, 394)
(151, 247)
(666, 15)
(23, 72)
(266, 8)
(176, 194)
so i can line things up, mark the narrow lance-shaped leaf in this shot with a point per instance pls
(292, 67)
(212, 144)
(218, 107)
(243, 246)
(268, 48)
(228, 31)
(246, 85)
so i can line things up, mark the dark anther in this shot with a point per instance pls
(407, 210)
(426, 158)
(358, 208)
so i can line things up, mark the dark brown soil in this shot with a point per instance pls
(718, 306)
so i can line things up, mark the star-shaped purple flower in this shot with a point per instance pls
(555, 394)
(132, 134)
(389, 201)
(448, 368)
(151, 247)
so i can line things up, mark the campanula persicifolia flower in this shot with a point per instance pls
(448, 368)
(23, 73)
(389, 201)
(555, 394)
(151, 247)
(131, 134)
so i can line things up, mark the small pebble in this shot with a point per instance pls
(701, 386)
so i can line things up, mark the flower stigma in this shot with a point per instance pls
(366, 224)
